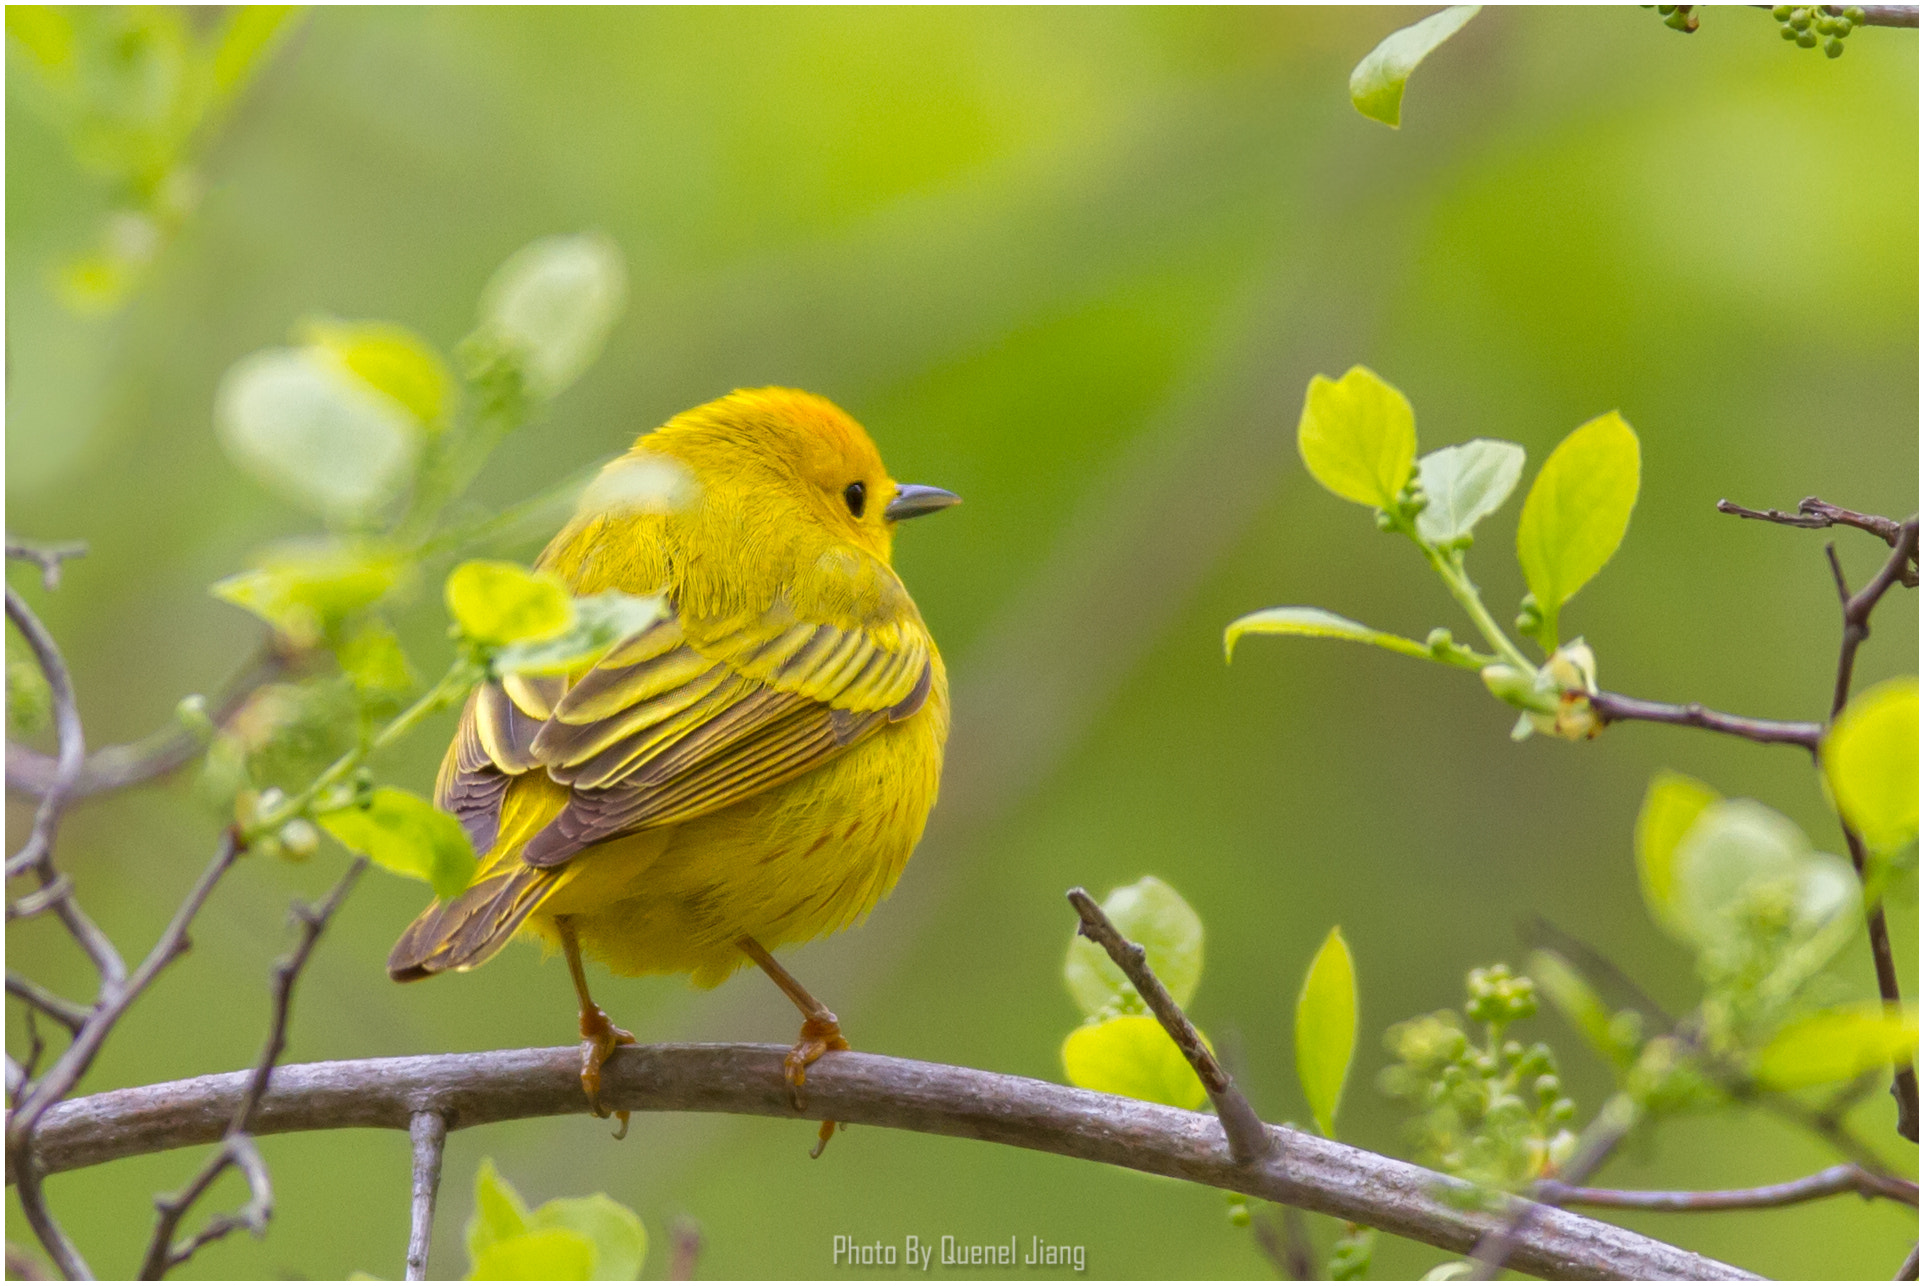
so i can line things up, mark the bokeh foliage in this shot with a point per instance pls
(1077, 266)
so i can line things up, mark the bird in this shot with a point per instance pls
(750, 771)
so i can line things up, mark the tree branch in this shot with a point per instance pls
(864, 1089)
(1614, 708)
(237, 1149)
(1813, 514)
(1836, 1180)
(1249, 1139)
(428, 1131)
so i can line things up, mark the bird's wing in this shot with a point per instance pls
(663, 729)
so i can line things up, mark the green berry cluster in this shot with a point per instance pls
(1493, 1112)
(1677, 17)
(1808, 24)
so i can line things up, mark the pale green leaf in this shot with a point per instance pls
(543, 1255)
(1577, 1001)
(307, 589)
(305, 426)
(46, 33)
(1671, 807)
(497, 603)
(248, 37)
(1735, 847)
(1870, 764)
(612, 1229)
(1326, 1029)
(373, 661)
(1837, 1045)
(392, 360)
(1465, 484)
(601, 621)
(1315, 623)
(499, 1212)
(1357, 437)
(552, 305)
(1133, 1056)
(1376, 85)
(1576, 513)
(1155, 917)
(406, 834)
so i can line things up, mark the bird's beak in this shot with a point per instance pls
(912, 501)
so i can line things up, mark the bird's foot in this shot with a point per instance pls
(600, 1037)
(819, 1036)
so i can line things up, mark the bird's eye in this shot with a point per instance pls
(855, 495)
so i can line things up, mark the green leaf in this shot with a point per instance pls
(1376, 86)
(373, 661)
(1465, 484)
(308, 589)
(1870, 764)
(46, 33)
(497, 603)
(393, 361)
(612, 1230)
(305, 426)
(1734, 847)
(1358, 437)
(546, 1254)
(1671, 807)
(1837, 1045)
(499, 1212)
(1133, 1056)
(1155, 917)
(248, 38)
(552, 304)
(1578, 1002)
(407, 835)
(1576, 513)
(601, 621)
(1326, 1029)
(1315, 623)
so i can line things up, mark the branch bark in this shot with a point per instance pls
(865, 1089)
(428, 1131)
(1835, 1181)
(1614, 708)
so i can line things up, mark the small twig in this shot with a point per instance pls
(1857, 609)
(1814, 514)
(684, 1250)
(22, 1267)
(57, 1007)
(1907, 1272)
(1836, 1180)
(1614, 708)
(1612, 1123)
(1249, 1139)
(47, 558)
(428, 1132)
(237, 1149)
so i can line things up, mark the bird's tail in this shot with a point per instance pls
(467, 931)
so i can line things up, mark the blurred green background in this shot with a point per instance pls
(1078, 266)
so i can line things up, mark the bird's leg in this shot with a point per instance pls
(820, 1031)
(602, 1036)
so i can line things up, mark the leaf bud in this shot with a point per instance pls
(1780, 12)
(300, 839)
(1807, 40)
(1384, 522)
(191, 714)
(1833, 48)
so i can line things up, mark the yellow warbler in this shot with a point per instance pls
(750, 771)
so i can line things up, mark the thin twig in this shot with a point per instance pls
(237, 1149)
(1614, 708)
(57, 1007)
(47, 558)
(1304, 1170)
(1836, 1180)
(1857, 609)
(428, 1132)
(1907, 1272)
(30, 773)
(1814, 514)
(1249, 1139)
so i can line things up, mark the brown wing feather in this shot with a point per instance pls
(469, 930)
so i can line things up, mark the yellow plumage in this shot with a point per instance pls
(757, 766)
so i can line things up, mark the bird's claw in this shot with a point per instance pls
(600, 1037)
(819, 1036)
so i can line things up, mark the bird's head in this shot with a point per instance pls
(778, 451)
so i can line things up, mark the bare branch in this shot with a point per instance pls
(1836, 1180)
(1769, 732)
(428, 1131)
(863, 1089)
(1907, 1271)
(57, 1007)
(47, 558)
(1814, 514)
(237, 1147)
(1249, 1139)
